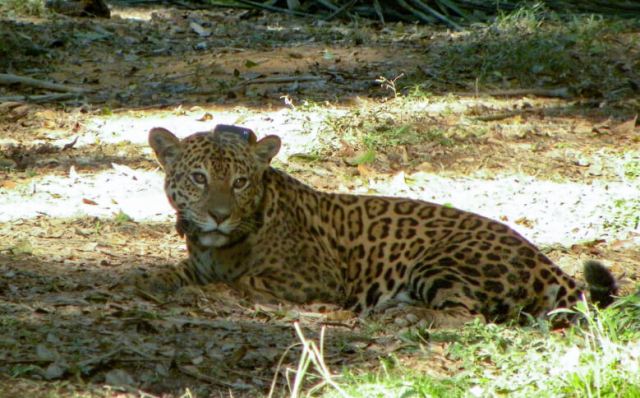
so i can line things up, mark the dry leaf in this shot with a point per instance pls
(119, 377)
(199, 29)
(206, 117)
(89, 202)
(45, 354)
(626, 127)
(55, 370)
(365, 171)
(8, 184)
(22, 246)
(340, 315)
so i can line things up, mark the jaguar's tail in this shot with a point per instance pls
(602, 284)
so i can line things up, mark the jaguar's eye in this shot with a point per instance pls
(199, 178)
(240, 182)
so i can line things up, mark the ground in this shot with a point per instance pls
(550, 147)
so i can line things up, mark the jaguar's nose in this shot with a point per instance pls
(218, 215)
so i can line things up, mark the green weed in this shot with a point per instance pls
(599, 356)
(532, 47)
(631, 166)
(625, 215)
(23, 7)
(122, 217)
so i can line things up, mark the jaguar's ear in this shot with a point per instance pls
(165, 145)
(267, 148)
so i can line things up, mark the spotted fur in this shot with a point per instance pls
(278, 238)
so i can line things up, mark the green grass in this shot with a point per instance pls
(122, 217)
(22, 7)
(533, 47)
(631, 165)
(624, 215)
(599, 356)
(372, 129)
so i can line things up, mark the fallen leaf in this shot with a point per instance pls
(525, 222)
(119, 377)
(8, 184)
(89, 202)
(626, 127)
(339, 316)
(23, 246)
(45, 354)
(206, 117)
(365, 171)
(55, 370)
(199, 29)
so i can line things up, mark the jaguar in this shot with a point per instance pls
(271, 237)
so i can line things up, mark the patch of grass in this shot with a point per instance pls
(366, 158)
(401, 122)
(625, 215)
(597, 357)
(122, 217)
(532, 47)
(631, 166)
(398, 381)
(23, 7)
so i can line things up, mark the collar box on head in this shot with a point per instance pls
(246, 134)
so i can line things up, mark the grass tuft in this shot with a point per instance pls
(23, 7)
(532, 47)
(597, 357)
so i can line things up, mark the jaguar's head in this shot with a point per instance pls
(214, 180)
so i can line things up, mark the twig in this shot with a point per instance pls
(561, 92)
(436, 14)
(70, 144)
(328, 5)
(202, 377)
(283, 79)
(341, 10)
(278, 79)
(6, 79)
(503, 115)
(272, 8)
(39, 98)
(416, 13)
(378, 8)
(338, 324)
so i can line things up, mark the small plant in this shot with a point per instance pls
(122, 217)
(311, 354)
(389, 84)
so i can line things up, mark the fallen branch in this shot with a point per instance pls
(196, 374)
(561, 92)
(341, 10)
(269, 80)
(39, 98)
(268, 7)
(419, 15)
(503, 115)
(281, 79)
(6, 79)
(436, 14)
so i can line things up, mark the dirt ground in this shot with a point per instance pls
(68, 323)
